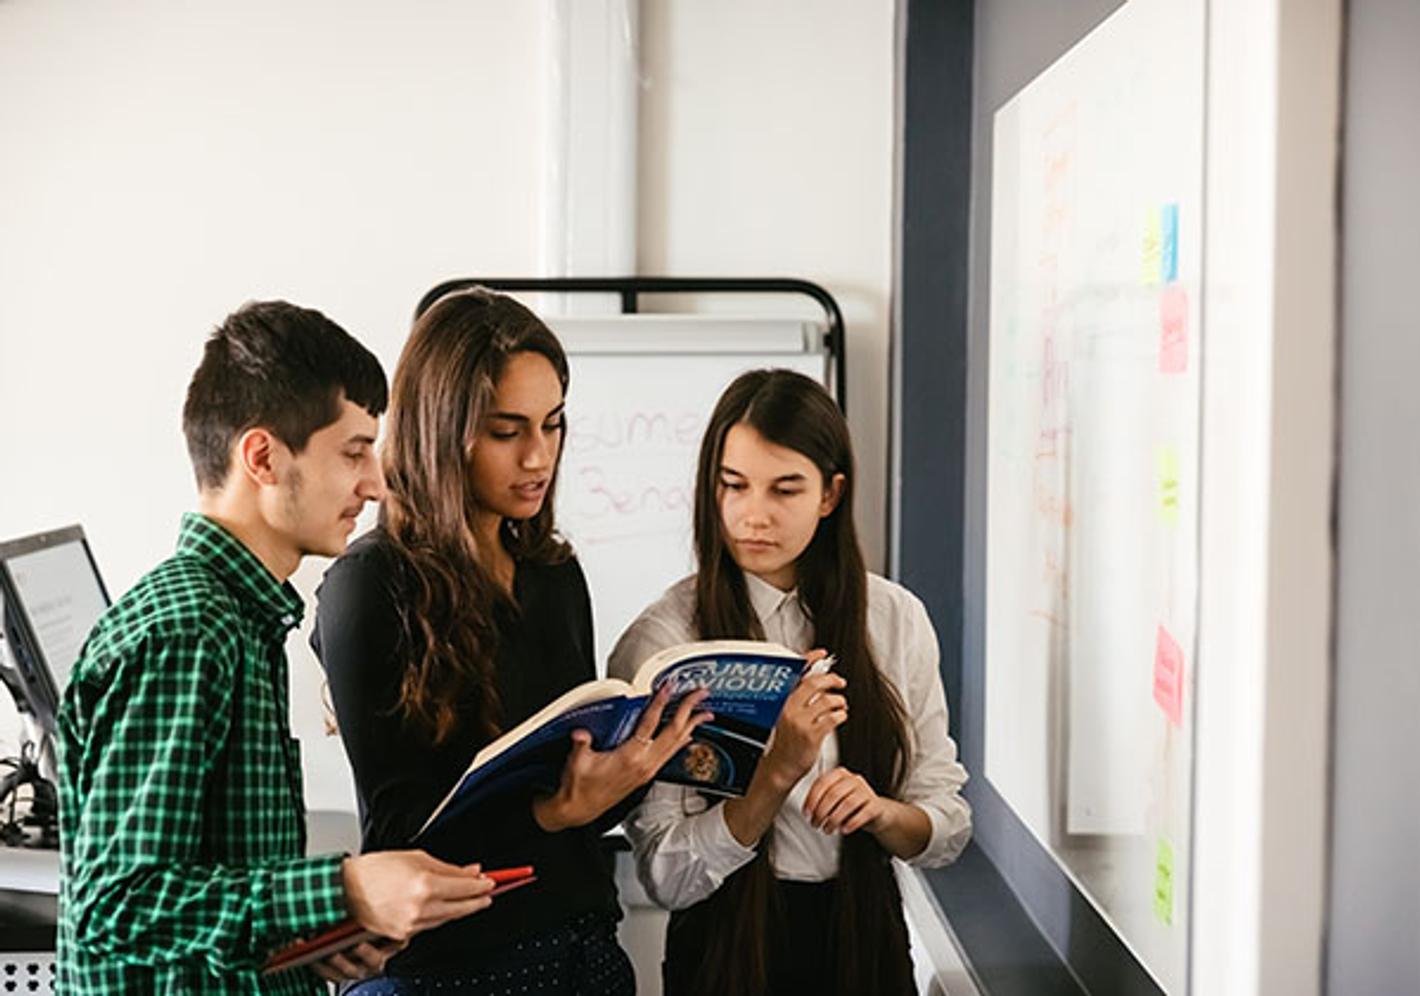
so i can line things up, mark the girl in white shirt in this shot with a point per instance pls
(791, 888)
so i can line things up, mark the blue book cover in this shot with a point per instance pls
(748, 682)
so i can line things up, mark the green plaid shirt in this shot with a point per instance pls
(182, 823)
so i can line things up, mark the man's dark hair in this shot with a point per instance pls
(283, 368)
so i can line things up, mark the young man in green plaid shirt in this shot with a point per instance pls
(182, 823)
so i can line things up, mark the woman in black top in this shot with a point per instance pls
(458, 617)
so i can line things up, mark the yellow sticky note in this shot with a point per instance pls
(1153, 249)
(1169, 491)
(1163, 883)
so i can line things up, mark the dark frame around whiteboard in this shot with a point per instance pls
(1023, 925)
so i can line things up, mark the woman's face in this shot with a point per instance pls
(771, 499)
(516, 449)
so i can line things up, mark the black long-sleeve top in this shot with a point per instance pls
(544, 648)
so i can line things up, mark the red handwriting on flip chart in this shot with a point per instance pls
(598, 494)
(1168, 677)
(612, 432)
(1173, 336)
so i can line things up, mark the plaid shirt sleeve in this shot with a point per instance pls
(141, 889)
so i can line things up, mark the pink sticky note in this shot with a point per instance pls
(1168, 677)
(1173, 335)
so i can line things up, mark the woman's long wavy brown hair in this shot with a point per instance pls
(443, 387)
(869, 936)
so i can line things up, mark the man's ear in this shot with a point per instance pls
(832, 495)
(257, 456)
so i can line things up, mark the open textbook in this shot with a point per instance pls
(748, 682)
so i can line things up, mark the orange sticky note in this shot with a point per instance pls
(1173, 330)
(1168, 676)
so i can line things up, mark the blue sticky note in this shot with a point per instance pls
(1168, 254)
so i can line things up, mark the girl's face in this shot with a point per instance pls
(518, 440)
(771, 499)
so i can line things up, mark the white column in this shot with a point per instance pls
(1266, 558)
(589, 218)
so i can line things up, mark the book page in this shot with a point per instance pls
(592, 691)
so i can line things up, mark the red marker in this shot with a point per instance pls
(510, 878)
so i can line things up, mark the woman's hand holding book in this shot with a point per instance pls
(593, 781)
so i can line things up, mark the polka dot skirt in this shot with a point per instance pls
(580, 958)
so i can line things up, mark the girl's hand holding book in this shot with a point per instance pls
(813, 710)
(593, 781)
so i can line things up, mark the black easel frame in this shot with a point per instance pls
(630, 289)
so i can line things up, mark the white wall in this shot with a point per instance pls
(766, 150)
(165, 162)
(161, 162)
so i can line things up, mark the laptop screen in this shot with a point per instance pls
(53, 595)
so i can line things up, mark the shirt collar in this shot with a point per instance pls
(765, 598)
(274, 605)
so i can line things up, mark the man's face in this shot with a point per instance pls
(321, 490)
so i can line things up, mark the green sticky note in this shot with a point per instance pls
(1163, 883)
(1166, 469)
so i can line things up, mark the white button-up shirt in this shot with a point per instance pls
(684, 850)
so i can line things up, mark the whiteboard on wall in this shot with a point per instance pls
(1097, 185)
(642, 390)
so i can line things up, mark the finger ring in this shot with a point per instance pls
(644, 740)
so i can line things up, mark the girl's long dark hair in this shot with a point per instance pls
(443, 387)
(869, 936)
